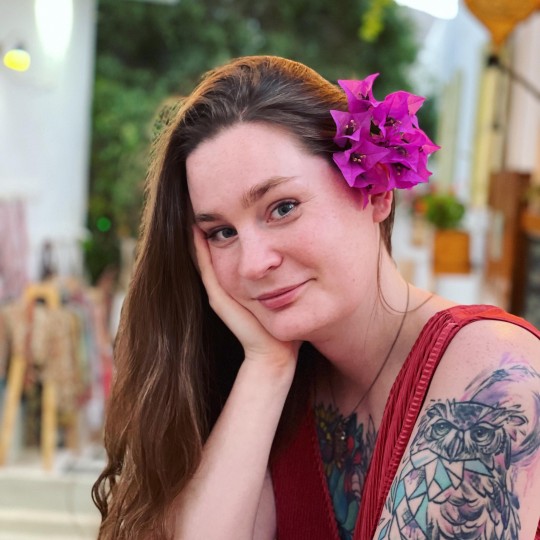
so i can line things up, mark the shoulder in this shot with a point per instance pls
(473, 336)
(486, 344)
(505, 331)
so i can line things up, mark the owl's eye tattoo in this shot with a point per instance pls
(457, 480)
(482, 434)
(441, 428)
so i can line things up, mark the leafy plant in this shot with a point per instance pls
(443, 210)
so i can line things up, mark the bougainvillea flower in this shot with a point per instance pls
(349, 126)
(382, 146)
(406, 178)
(406, 154)
(359, 93)
(397, 113)
(358, 159)
(397, 100)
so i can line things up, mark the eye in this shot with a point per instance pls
(283, 209)
(220, 235)
(441, 428)
(482, 434)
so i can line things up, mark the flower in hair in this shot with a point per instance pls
(382, 146)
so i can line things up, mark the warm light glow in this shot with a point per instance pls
(54, 20)
(17, 59)
(442, 9)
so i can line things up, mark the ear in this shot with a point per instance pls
(382, 205)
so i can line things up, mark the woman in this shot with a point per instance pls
(276, 376)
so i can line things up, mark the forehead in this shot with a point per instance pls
(244, 155)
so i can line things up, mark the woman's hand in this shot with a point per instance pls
(257, 342)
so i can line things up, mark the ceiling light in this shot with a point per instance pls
(17, 59)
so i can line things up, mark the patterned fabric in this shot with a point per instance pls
(4, 349)
(69, 345)
(48, 341)
(304, 508)
(13, 249)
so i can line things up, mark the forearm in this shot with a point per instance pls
(221, 500)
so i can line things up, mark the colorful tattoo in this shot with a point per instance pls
(346, 451)
(458, 479)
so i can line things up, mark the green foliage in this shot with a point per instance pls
(373, 20)
(147, 52)
(444, 210)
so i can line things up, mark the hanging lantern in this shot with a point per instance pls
(500, 17)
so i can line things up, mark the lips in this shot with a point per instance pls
(281, 297)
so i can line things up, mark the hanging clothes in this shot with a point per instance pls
(14, 250)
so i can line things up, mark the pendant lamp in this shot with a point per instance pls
(500, 17)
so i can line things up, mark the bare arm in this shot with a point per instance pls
(221, 501)
(265, 523)
(472, 467)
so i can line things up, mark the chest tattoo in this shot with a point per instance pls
(346, 449)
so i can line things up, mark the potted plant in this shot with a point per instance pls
(451, 244)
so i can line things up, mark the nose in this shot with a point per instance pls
(259, 255)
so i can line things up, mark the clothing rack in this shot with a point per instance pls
(56, 357)
(18, 365)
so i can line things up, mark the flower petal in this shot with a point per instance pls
(359, 93)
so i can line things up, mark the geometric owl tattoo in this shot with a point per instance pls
(455, 482)
(458, 460)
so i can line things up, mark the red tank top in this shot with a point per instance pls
(303, 505)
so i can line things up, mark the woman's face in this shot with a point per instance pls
(288, 237)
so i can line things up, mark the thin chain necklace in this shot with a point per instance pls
(341, 428)
(396, 337)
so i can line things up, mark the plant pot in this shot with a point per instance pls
(451, 252)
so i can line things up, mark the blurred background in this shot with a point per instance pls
(83, 84)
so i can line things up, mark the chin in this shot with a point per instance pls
(294, 328)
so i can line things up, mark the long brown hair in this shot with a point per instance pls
(175, 360)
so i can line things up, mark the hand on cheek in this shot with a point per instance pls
(258, 344)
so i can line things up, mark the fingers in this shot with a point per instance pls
(202, 253)
(216, 295)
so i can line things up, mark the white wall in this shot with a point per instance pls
(45, 129)
(451, 62)
(524, 123)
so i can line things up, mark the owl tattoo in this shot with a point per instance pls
(455, 482)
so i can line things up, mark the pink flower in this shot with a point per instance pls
(382, 146)
(349, 126)
(358, 159)
(359, 94)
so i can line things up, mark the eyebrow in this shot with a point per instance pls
(254, 194)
